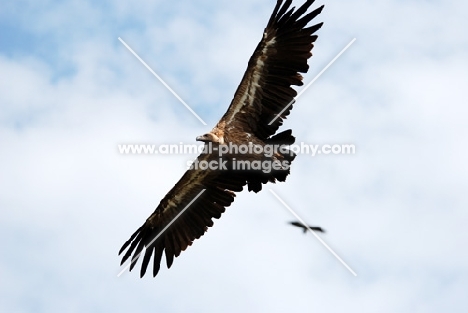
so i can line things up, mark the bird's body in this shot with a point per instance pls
(261, 102)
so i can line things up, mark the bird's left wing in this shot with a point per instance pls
(265, 91)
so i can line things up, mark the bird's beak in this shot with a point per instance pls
(199, 138)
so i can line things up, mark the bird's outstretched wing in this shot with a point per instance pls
(280, 57)
(218, 193)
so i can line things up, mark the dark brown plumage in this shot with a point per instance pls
(264, 91)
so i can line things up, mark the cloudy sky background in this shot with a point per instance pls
(396, 211)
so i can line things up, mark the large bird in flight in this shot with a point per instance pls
(261, 102)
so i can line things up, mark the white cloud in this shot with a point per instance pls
(395, 211)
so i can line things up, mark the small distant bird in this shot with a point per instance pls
(305, 227)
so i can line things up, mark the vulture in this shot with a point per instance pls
(305, 227)
(260, 104)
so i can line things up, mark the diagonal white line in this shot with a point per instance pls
(316, 236)
(162, 82)
(313, 80)
(135, 258)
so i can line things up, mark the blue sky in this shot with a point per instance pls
(396, 211)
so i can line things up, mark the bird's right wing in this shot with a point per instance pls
(215, 190)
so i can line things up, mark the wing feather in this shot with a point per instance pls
(158, 251)
(283, 9)
(169, 252)
(148, 252)
(265, 89)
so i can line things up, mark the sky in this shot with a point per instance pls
(395, 211)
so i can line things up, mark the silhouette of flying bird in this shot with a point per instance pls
(305, 227)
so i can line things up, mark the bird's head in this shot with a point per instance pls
(208, 137)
